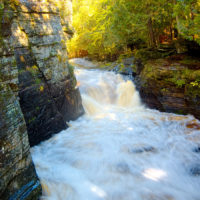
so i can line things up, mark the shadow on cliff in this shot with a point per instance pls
(47, 86)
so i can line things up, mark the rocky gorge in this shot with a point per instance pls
(38, 90)
(39, 95)
(171, 84)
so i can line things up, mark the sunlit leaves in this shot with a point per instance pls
(188, 18)
(108, 27)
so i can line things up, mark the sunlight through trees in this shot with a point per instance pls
(105, 28)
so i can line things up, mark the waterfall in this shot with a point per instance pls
(119, 150)
(106, 90)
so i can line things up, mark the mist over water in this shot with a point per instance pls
(119, 150)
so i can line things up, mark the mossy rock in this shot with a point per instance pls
(147, 54)
(192, 91)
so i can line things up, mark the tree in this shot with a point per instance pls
(105, 28)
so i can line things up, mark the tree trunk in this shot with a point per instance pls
(152, 40)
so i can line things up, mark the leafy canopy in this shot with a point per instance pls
(105, 28)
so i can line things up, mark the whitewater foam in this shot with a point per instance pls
(119, 150)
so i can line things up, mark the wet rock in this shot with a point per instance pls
(142, 149)
(123, 167)
(125, 67)
(128, 71)
(193, 125)
(128, 61)
(197, 149)
(195, 171)
(139, 66)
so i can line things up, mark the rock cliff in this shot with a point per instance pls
(38, 90)
(18, 179)
(171, 85)
(47, 86)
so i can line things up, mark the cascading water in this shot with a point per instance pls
(120, 150)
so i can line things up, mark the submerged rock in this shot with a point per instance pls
(195, 171)
(142, 149)
(123, 167)
(197, 149)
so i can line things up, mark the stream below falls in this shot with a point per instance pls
(120, 150)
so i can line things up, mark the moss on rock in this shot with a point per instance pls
(169, 85)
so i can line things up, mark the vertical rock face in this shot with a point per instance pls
(18, 179)
(47, 92)
(38, 91)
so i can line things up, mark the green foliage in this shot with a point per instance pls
(71, 70)
(196, 83)
(107, 28)
(38, 81)
(31, 120)
(179, 83)
(193, 89)
(1, 17)
(146, 54)
(187, 14)
(180, 77)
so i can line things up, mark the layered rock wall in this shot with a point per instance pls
(38, 90)
(171, 85)
(47, 92)
(18, 179)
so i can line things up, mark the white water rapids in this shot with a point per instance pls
(120, 150)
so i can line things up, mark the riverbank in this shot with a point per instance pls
(168, 84)
(171, 84)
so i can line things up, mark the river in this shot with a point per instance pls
(119, 150)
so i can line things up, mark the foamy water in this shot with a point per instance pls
(120, 150)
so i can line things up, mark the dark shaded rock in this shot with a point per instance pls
(125, 67)
(68, 100)
(128, 71)
(139, 66)
(36, 99)
(18, 179)
(142, 149)
(170, 85)
(195, 171)
(41, 114)
(181, 46)
(148, 97)
(197, 149)
(34, 72)
(128, 61)
(123, 167)
(47, 92)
